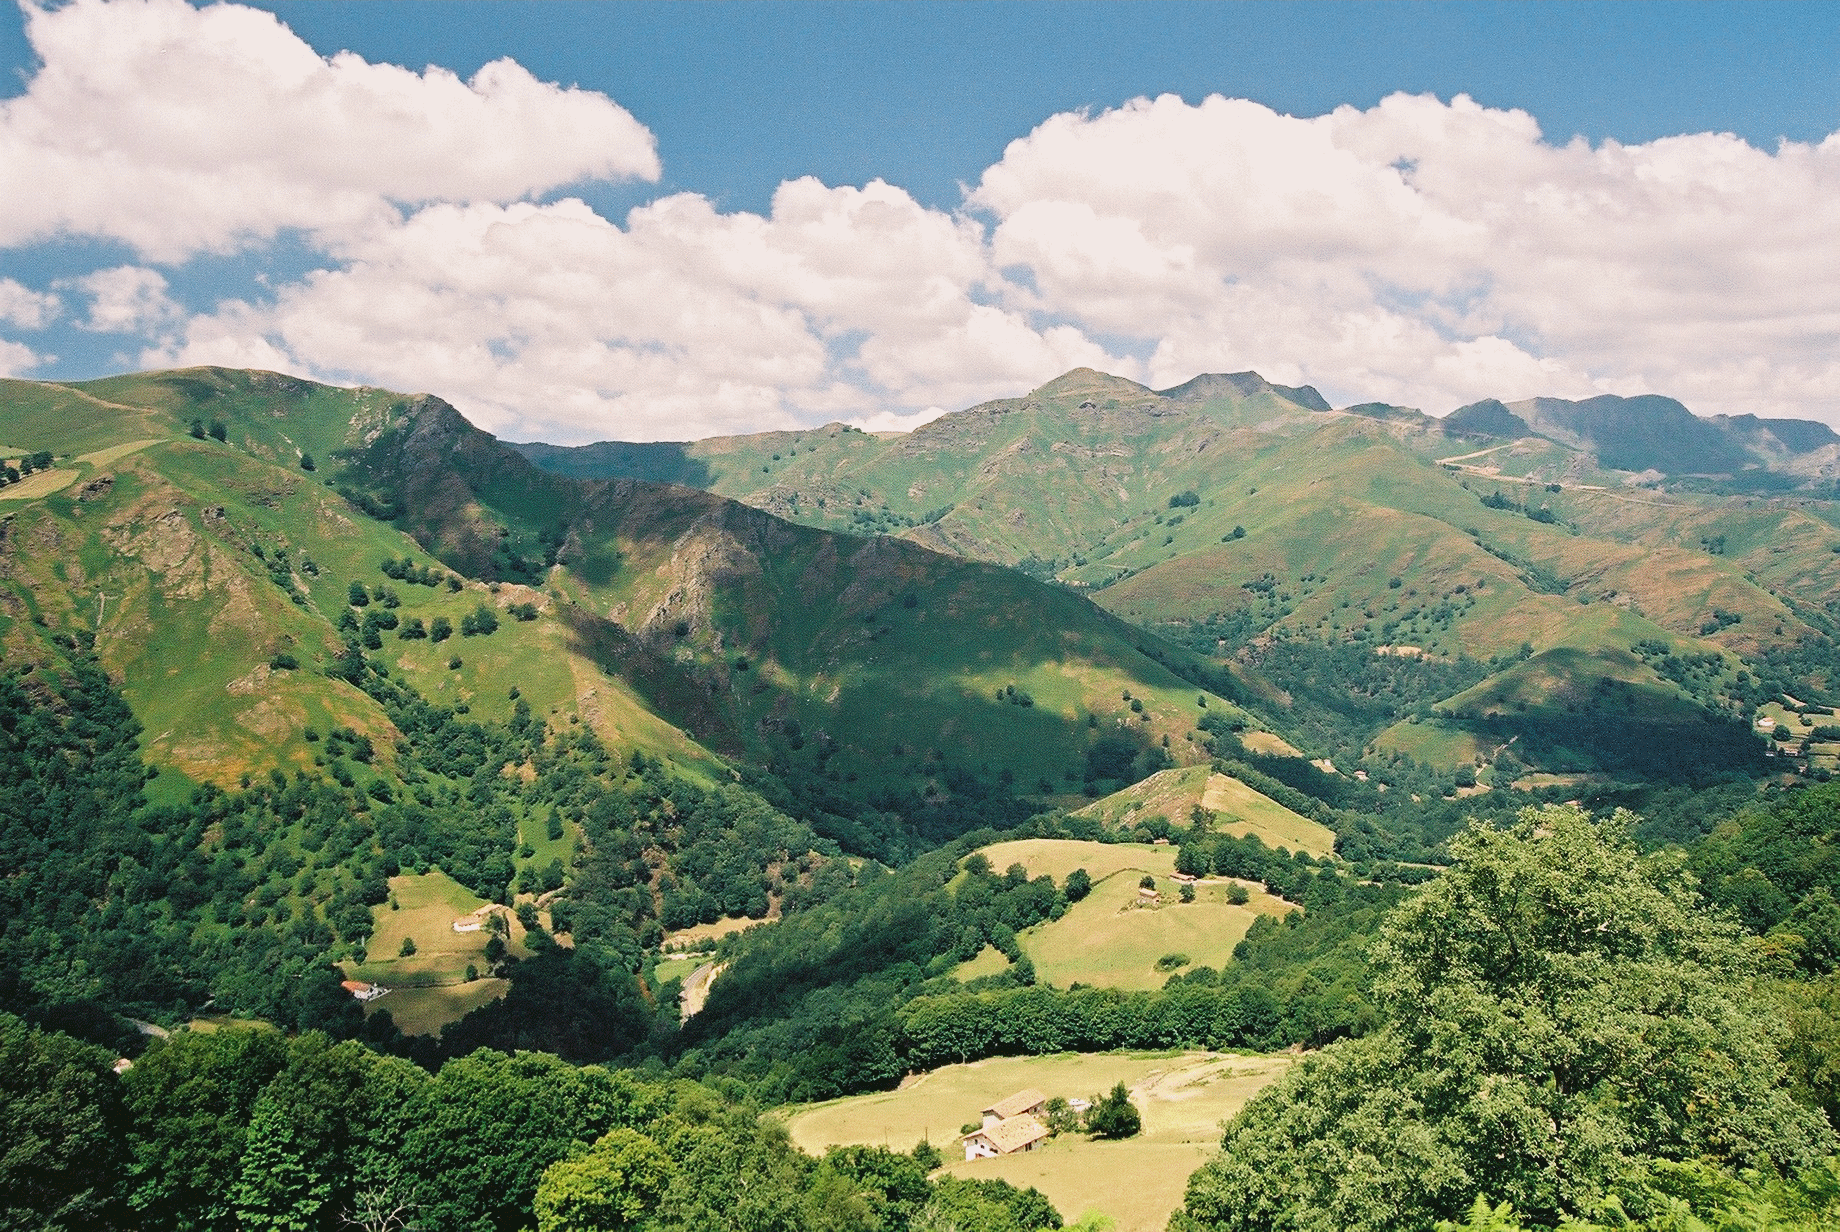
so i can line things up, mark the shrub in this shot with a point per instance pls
(1114, 1115)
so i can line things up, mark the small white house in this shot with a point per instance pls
(1010, 1125)
(1022, 1103)
(1005, 1137)
(362, 991)
(468, 924)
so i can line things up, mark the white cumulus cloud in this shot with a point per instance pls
(1433, 253)
(1419, 251)
(26, 308)
(127, 299)
(16, 358)
(180, 130)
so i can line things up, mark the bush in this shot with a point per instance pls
(440, 629)
(480, 622)
(1079, 885)
(1114, 1116)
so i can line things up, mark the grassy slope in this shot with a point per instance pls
(1238, 809)
(1137, 1182)
(1075, 479)
(871, 661)
(1112, 938)
(151, 546)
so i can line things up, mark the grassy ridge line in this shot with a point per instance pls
(800, 650)
(1075, 480)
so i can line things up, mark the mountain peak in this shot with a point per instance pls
(1489, 417)
(1245, 385)
(1090, 382)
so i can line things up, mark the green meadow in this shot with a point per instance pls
(1114, 937)
(1183, 1098)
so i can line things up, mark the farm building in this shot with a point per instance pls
(1010, 1125)
(363, 991)
(477, 918)
(1005, 1137)
(1022, 1103)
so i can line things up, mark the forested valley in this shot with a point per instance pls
(1676, 1007)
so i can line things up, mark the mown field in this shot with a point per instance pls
(1183, 1098)
(1114, 937)
(429, 989)
(1238, 809)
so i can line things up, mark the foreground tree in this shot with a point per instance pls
(1563, 1014)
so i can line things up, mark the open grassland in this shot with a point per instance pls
(1239, 809)
(1183, 1098)
(698, 936)
(1433, 743)
(426, 908)
(677, 968)
(424, 1011)
(1113, 938)
(1056, 857)
(1244, 811)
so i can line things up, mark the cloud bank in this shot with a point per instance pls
(1422, 252)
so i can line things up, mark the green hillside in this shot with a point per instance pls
(1227, 511)
(674, 622)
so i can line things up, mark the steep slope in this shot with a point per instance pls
(1227, 509)
(873, 665)
(668, 619)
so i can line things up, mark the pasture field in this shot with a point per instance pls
(1245, 811)
(1111, 939)
(677, 968)
(1270, 745)
(1242, 811)
(700, 936)
(424, 1011)
(1059, 856)
(429, 988)
(1183, 1098)
(1432, 742)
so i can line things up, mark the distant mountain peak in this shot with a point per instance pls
(1089, 382)
(1489, 417)
(1244, 384)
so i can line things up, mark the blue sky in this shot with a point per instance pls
(785, 310)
